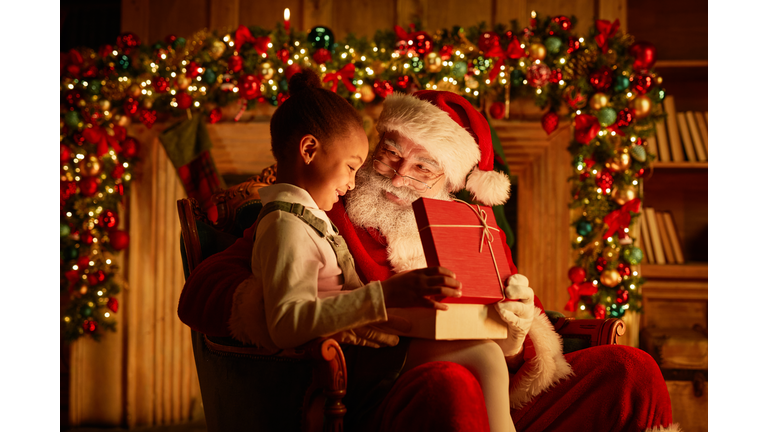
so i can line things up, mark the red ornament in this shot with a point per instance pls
(497, 110)
(193, 70)
(250, 86)
(640, 83)
(170, 39)
(235, 64)
(488, 40)
(119, 131)
(130, 147)
(117, 172)
(112, 304)
(119, 239)
(89, 326)
(549, 122)
(282, 97)
(538, 74)
(563, 22)
(624, 269)
(65, 154)
(88, 186)
(600, 264)
(403, 81)
(105, 51)
(120, 189)
(100, 276)
(644, 54)
(577, 274)
(92, 280)
(83, 261)
(72, 276)
(283, 55)
(599, 311)
(622, 296)
(601, 79)
(625, 117)
(183, 100)
(108, 219)
(126, 42)
(604, 180)
(148, 117)
(160, 84)
(382, 88)
(586, 128)
(422, 43)
(321, 56)
(73, 97)
(446, 52)
(67, 189)
(214, 116)
(291, 70)
(556, 76)
(87, 238)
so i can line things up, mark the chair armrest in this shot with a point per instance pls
(593, 332)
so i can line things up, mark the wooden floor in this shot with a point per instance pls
(196, 426)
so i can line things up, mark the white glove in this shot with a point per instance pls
(517, 313)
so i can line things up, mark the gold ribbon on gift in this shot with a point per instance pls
(487, 236)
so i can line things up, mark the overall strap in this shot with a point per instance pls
(300, 211)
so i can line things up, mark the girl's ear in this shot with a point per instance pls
(308, 148)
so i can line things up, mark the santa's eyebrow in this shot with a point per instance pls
(391, 142)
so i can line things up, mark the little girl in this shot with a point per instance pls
(306, 284)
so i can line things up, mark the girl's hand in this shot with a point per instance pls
(417, 288)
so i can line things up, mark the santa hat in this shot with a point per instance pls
(455, 134)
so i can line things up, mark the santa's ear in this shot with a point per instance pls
(308, 148)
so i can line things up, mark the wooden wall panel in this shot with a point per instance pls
(134, 17)
(241, 148)
(178, 17)
(362, 17)
(584, 10)
(448, 13)
(318, 12)
(269, 14)
(224, 14)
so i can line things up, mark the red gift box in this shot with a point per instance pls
(465, 239)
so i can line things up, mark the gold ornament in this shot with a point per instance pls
(471, 82)
(183, 81)
(114, 90)
(659, 79)
(90, 166)
(217, 49)
(147, 103)
(134, 90)
(598, 100)
(434, 62)
(266, 71)
(610, 278)
(104, 104)
(537, 51)
(620, 162)
(642, 106)
(624, 194)
(366, 93)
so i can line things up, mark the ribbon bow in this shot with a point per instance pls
(514, 51)
(97, 135)
(243, 35)
(606, 30)
(577, 291)
(620, 219)
(586, 128)
(344, 74)
(403, 35)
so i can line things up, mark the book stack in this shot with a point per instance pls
(681, 137)
(659, 238)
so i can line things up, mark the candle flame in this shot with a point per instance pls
(287, 14)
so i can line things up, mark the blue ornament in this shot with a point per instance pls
(632, 255)
(553, 44)
(583, 227)
(321, 37)
(606, 116)
(209, 76)
(616, 311)
(621, 83)
(72, 119)
(123, 62)
(459, 69)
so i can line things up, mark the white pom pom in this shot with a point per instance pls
(489, 187)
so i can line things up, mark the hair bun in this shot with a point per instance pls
(303, 81)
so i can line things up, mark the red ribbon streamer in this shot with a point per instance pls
(606, 30)
(586, 128)
(344, 74)
(514, 51)
(576, 291)
(620, 219)
(243, 35)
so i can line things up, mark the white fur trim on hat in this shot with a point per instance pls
(489, 187)
(454, 149)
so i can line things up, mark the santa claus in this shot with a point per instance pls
(433, 144)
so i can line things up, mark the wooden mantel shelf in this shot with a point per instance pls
(695, 271)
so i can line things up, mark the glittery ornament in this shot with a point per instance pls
(160, 84)
(487, 41)
(563, 22)
(641, 106)
(599, 311)
(606, 116)
(250, 86)
(600, 264)
(214, 116)
(622, 296)
(537, 51)
(90, 166)
(598, 100)
(553, 44)
(235, 64)
(632, 255)
(583, 227)
(624, 270)
(108, 219)
(638, 153)
(604, 180)
(621, 83)
(620, 162)
(549, 121)
(624, 194)
(321, 56)
(601, 79)
(624, 117)
(640, 83)
(538, 75)
(644, 54)
(88, 186)
(610, 278)
(382, 88)
(459, 69)
(283, 55)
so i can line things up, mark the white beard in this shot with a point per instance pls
(368, 207)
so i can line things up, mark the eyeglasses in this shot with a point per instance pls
(418, 185)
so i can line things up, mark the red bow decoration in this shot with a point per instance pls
(514, 51)
(606, 30)
(577, 291)
(97, 135)
(344, 74)
(243, 35)
(619, 219)
(586, 128)
(416, 42)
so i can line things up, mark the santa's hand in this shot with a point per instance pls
(518, 313)
(366, 336)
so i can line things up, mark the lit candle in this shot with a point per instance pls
(287, 19)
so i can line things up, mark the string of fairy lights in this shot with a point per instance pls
(603, 81)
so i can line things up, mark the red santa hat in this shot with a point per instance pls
(455, 134)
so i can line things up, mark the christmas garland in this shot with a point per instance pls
(604, 81)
